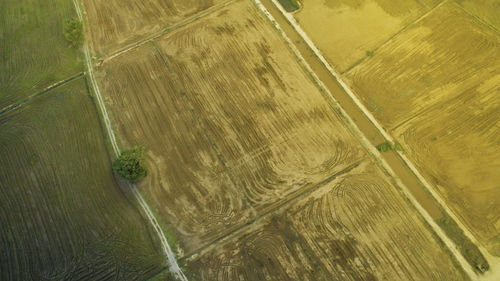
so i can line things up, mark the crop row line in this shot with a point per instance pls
(44, 91)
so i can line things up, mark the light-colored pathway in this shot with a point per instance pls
(171, 261)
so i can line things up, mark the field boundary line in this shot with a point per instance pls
(478, 18)
(55, 85)
(404, 28)
(171, 261)
(291, 198)
(168, 29)
(366, 143)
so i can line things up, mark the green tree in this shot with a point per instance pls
(131, 164)
(73, 31)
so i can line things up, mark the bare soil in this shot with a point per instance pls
(357, 227)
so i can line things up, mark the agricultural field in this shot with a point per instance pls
(435, 88)
(346, 31)
(356, 227)
(33, 51)
(63, 216)
(251, 167)
(225, 150)
(114, 24)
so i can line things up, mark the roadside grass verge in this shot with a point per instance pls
(468, 249)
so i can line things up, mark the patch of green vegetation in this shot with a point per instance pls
(289, 5)
(131, 164)
(33, 159)
(468, 249)
(370, 53)
(33, 50)
(104, 236)
(389, 146)
(73, 32)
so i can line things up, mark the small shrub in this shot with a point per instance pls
(398, 147)
(388, 146)
(131, 165)
(384, 147)
(33, 160)
(73, 32)
(370, 53)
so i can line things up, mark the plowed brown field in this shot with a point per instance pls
(435, 86)
(236, 130)
(232, 128)
(357, 227)
(115, 24)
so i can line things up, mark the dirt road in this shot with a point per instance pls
(171, 261)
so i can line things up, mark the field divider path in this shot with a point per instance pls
(422, 17)
(11, 107)
(366, 142)
(293, 197)
(171, 260)
(169, 29)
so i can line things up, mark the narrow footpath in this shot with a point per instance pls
(169, 254)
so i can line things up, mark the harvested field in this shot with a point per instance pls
(233, 124)
(357, 227)
(33, 51)
(115, 24)
(346, 31)
(435, 86)
(63, 216)
(430, 63)
(456, 145)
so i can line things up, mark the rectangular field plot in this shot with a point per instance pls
(430, 63)
(115, 24)
(356, 227)
(232, 123)
(456, 146)
(63, 217)
(345, 30)
(33, 51)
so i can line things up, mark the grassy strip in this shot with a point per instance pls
(289, 5)
(468, 249)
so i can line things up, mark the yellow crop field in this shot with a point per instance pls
(435, 86)
(346, 31)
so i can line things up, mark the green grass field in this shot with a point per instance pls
(62, 214)
(33, 51)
